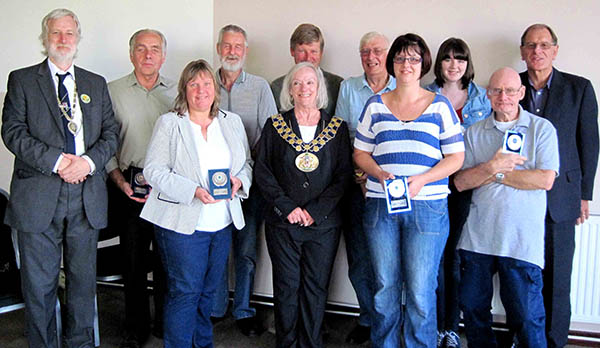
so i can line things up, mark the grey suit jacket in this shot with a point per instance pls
(172, 168)
(32, 130)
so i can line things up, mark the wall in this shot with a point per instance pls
(492, 30)
(106, 28)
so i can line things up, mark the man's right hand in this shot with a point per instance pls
(126, 188)
(505, 162)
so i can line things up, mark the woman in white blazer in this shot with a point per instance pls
(193, 230)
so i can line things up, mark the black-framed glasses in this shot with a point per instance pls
(410, 60)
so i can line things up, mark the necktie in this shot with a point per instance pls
(63, 97)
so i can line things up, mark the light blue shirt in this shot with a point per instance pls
(505, 221)
(354, 93)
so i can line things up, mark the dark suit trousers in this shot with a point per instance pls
(137, 260)
(71, 235)
(302, 260)
(560, 248)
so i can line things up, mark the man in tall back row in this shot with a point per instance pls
(569, 102)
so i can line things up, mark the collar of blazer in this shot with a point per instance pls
(233, 132)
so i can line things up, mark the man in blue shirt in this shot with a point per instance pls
(354, 92)
(504, 232)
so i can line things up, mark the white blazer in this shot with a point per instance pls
(172, 168)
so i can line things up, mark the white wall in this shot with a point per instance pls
(492, 30)
(107, 26)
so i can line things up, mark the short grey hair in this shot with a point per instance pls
(539, 26)
(133, 39)
(287, 102)
(234, 29)
(56, 14)
(370, 36)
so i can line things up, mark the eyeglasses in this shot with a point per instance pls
(376, 51)
(411, 60)
(543, 45)
(511, 92)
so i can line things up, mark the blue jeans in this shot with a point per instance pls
(244, 256)
(520, 292)
(360, 270)
(193, 264)
(405, 249)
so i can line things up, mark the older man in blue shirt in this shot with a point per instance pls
(354, 92)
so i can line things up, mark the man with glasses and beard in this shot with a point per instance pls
(250, 97)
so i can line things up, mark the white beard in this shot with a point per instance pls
(231, 67)
(59, 57)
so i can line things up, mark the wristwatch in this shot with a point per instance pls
(500, 178)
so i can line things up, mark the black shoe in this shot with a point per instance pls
(359, 335)
(157, 331)
(216, 320)
(250, 326)
(129, 341)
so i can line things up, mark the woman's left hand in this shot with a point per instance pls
(236, 184)
(415, 184)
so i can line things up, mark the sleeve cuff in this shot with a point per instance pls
(91, 163)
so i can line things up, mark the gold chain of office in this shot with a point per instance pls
(316, 144)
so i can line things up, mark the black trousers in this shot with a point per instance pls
(560, 248)
(136, 235)
(302, 261)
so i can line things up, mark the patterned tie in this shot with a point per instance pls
(63, 96)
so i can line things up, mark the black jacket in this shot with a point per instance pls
(285, 187)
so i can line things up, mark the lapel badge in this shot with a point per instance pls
(85, 98)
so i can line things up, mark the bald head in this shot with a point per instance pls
(505, 91)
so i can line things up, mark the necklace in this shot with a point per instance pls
(65, 108)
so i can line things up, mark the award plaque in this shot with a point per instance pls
(219, 183)
(513, 142)
(397, 196)
(138, 183)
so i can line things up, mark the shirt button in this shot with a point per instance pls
(480, 113)
(539, 92)
(537, 110)
(305, 185)
(466, 115)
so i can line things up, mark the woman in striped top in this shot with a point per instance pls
(413, 133)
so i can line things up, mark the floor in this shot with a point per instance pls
(110, 304)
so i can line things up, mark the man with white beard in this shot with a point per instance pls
(250, 97)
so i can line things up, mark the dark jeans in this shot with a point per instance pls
(448, 311)
(559, 251)
(520, 292)
(360, 269)
(244, 257)
(302, 259)
(136, 235)
(194, 265)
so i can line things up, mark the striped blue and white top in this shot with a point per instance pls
(409, 148)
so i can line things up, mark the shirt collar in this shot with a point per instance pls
(523, 120)
(55, 69)
(132, 81)
(548, 83)
(240, 79)
(390, 85)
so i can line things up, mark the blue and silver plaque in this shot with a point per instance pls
(219, 183)
(513, 142)
(397, 196)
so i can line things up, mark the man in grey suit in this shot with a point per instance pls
(58, 122)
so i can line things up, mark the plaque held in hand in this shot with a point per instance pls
(219, 183)
(397, 196)
(138, 183)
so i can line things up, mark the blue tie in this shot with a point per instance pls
(64, 100)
